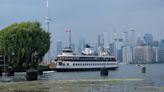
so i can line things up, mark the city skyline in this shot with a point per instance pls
(126, 49)
(88, 17)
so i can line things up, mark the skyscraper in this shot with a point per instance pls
(112, 48)
(127, 54)
(100, 41)
(59, 47)
(143, 54)
(155, 51)
(126, 39)
(161, 50)
(147, 54)
(81, 45)
(127, 50)
(132, 44)
(148, 38)
(139, 54)
(118, 49)
(139, 42)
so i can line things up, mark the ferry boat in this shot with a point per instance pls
(69, 61)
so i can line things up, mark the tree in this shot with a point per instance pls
(23, 42)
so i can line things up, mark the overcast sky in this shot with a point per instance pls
(88, 18)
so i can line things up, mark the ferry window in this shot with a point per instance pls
(60, 63)
(67, 64)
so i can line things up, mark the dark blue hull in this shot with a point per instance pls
(81, 69)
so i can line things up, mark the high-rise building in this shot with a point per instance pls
(161, 50)
(139, 58)
(139, 42)
(112, 48)
(127, 54)
(119, 55)
(127, 50)
(100, 41)
(59, 47)
(147, 54)
(126, 39)
(132, 44)
(148, 38)
(155, 57)
(143, 54)
(155, 43)
(81, 45)
(118, 50)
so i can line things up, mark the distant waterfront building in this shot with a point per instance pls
(127, 54)
(143, 54)
(119, 46)
(100, 41)
(148, 38)
(59, 47)
(155, 51)
(81, 45)
(161, 50)
(139, 54)
(147, 54)
(155, 44)
(112, 48)
(119, 55)
(132, 44)
(139, 42)
(127, 50)
(126, 39)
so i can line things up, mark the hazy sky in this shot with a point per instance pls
(88, 18)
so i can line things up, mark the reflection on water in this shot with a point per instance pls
(127, 78)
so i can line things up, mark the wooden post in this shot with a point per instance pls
(31, 74)
(104, 71)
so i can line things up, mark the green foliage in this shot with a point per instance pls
(21, 42)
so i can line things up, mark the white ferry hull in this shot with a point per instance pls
(85, 66)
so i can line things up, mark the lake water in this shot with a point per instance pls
(127, 78)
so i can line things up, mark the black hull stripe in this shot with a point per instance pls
(81, 69)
